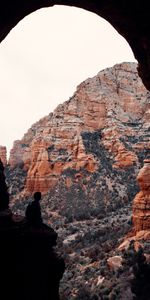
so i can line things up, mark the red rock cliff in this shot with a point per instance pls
(141, 203)
(115, 104)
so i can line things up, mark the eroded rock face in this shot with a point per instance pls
(19, 155)
(3, 155)
(93, 143)
(141, 203)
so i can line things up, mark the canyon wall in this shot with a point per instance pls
(85, 156)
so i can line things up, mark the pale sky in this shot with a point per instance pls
(45, 57)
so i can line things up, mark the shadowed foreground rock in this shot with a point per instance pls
(29, 266)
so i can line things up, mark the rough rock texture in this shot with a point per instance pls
(114, 262)
(141, 203)
(130, 19)
(88, 151)
(3, 155)
(16, 155)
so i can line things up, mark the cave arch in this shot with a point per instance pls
(130, 19)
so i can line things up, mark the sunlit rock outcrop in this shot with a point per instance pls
(141, 203)
(90, 149)
(115, 104)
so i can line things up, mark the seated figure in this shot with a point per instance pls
(33, 210)
(30, 267)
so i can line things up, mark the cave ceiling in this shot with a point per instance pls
(130, 18)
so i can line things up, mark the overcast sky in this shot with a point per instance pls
(45, 57)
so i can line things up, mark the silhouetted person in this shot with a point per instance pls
(33, 211)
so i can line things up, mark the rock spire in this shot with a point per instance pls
(141, 203)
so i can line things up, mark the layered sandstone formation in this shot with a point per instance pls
(114, 105)
(141, 203)
(3, 155)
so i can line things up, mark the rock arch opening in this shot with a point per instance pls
(99, 151)
(130, 19)
(46, 56)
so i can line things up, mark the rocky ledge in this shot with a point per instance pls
(30, 268)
